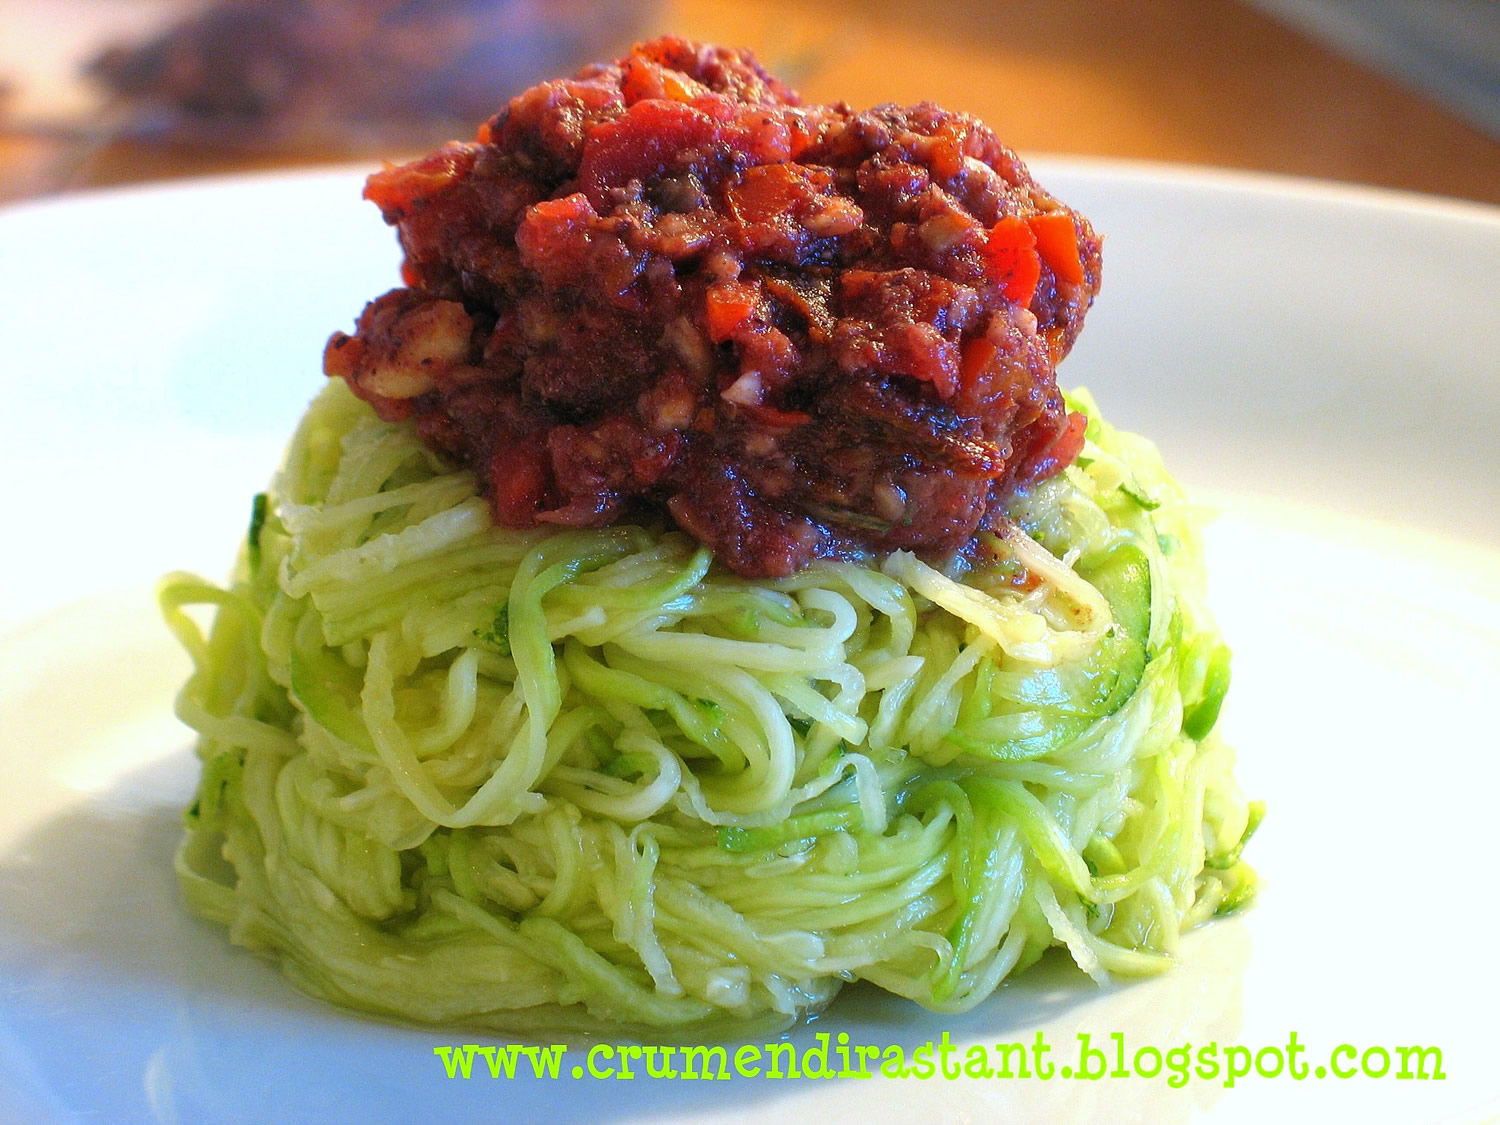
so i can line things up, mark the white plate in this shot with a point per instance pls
(1324, 364)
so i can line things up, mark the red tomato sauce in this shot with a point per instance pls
(665, 288)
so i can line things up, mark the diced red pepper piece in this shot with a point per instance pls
(1057, 243)
(644, 78)
(854, 284)
(652, 136)
(799, 133)
(1056, 454)
(977, 354)
(552, 232)
(728, 305)
(641, 80)
(769, 192)
(1011, 259)
(570, 210)
(947, 152)
(398, 188)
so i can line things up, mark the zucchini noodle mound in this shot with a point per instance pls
(586, 780)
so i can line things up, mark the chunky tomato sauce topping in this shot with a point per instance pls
(665, 286)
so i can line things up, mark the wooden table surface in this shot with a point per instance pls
(1208, 82)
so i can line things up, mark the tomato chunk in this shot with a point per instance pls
(1011, 259)
(1057, 243)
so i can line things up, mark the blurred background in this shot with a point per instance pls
(1396, 93)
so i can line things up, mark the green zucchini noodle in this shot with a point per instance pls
(573, 779)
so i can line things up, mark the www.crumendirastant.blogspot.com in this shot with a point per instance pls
(1086, 1058)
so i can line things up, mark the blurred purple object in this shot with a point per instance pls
(351, 75)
